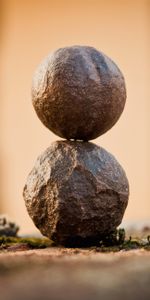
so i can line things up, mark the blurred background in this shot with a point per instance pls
(29, 30)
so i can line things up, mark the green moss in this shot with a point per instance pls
(117, 237)
(116, 241)
(32, 243)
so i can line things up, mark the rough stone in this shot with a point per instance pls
(76, 193)
(78, 93)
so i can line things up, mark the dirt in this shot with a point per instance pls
(60, 273)
(34, 268)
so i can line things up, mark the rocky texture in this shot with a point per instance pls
(78, 93)
(7, 228)
(76, 193)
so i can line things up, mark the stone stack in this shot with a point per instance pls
(77, 192)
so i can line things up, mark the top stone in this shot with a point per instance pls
(78, 93)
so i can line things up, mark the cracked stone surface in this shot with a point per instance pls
(76, 193)
(78, 92)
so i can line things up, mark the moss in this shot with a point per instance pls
(116, 241)
(117, 237)
(32, 243)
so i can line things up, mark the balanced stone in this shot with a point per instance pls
(78, 93)
(76, 193)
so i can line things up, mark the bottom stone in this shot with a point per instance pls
(76, 193)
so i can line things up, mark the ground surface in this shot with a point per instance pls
(59, 273)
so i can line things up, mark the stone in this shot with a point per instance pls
(78, 93)
(76, 193)
(7, 228)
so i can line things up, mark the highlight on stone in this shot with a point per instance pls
(77, 192)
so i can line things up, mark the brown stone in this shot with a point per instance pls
(78, 93)
(76, 193)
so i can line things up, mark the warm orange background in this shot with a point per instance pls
(29, 31)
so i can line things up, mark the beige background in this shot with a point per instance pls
(29, 31)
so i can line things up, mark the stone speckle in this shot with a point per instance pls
(76, 193)
(78, 93)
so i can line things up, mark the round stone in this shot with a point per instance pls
(76, 193)
(78, 93)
